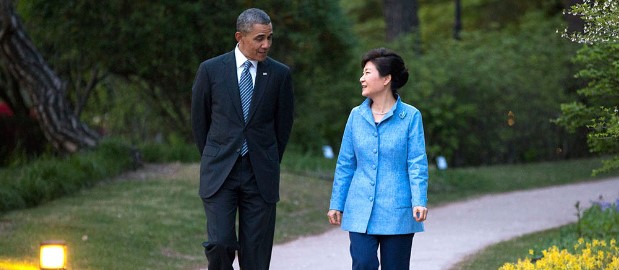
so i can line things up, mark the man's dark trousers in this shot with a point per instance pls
(239, 191)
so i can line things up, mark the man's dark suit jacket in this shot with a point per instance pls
(219, 128)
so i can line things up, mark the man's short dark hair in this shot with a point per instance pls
(249, 17)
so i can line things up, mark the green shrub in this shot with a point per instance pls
(48, 178)
(600, 221)
(10, 198)
(175, 149)
(489, 97)
(309, 164)
(596, 226)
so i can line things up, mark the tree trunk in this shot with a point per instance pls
(457, 20)
(574, 23)
(61, 126)
(400, 17)
(10, 92)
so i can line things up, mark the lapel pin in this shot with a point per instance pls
(402, 115)
(264, 74)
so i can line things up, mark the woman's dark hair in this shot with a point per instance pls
(388, 62)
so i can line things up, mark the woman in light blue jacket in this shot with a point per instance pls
(381, 178)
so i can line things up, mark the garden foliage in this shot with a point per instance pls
(587, 255)
(592, 245)
(149, 53)
(49, 178)
(509, 67)
(597, 109)
(489, 98)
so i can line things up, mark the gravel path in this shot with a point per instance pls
(456, 230)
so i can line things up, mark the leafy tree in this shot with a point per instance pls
(153, 45)
(601, 22)
(599, 58)
(504, 62)
(368, 24)
(489, 98)
(154, 48)
(315, 39)
(437, 17)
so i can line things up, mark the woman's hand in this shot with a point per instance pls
(420, 213)
(335, 217)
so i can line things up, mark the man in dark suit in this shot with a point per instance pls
(241, 125)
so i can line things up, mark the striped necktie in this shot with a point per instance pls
(246, 88)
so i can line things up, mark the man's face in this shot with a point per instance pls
(255, 44)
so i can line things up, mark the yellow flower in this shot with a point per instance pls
(593, 255)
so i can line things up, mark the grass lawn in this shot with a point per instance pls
(157, 222)
(461, 183)
(144, 224)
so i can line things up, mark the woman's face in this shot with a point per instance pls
(372, 83)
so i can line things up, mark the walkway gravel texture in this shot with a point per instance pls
(457, 230)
